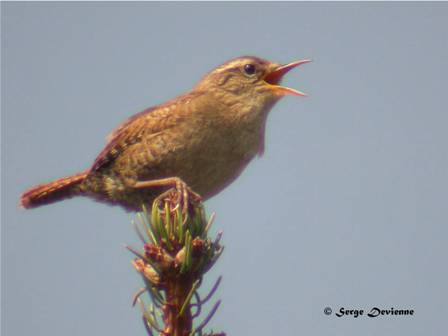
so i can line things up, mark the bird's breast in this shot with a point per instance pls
(217, 157)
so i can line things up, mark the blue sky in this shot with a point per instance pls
(347, 207)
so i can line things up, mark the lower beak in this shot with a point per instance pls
(274, 77)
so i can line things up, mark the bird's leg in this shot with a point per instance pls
(183, 189)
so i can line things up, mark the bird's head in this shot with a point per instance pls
(250, 81)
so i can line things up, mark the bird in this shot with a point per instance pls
(201, 140)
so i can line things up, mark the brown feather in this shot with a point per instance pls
(52, 192)
(149, 121)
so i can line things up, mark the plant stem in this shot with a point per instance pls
(177, 291)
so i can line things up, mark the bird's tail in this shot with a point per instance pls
(55, 191)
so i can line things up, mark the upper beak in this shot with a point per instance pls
(274, 77)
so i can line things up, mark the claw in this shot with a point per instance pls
(183, 190)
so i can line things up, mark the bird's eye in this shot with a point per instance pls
(249, 69)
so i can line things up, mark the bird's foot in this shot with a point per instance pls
(184, 192)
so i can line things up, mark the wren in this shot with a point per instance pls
(203, 139)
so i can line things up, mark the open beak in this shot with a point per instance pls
(274, 77)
